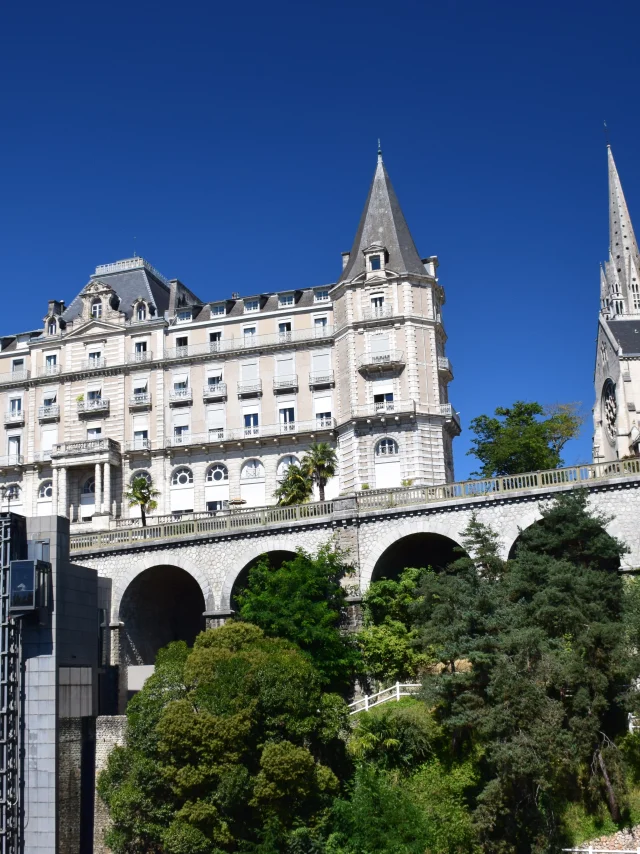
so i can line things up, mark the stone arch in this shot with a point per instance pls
(149, 561)
(523, 528)
(162, 604)
(248, 556)
(437, 527)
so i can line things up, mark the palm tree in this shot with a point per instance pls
(319, 465)
(142, 494)
(294, 488)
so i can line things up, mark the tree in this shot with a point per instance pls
(319, 465)
(229, 746)
(525, 437)
(294, 488)
(304, 602)
(142, 494)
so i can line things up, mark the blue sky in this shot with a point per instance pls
(233, 146)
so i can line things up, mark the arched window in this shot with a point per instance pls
(182, 477)
(141, 311)
(89, 486)
(284, 464)
(217, 474)
(52, 327)
(252, 469)
(142, 473)
(96, 308)
(12, 492)
(387, 448)
(46, 489)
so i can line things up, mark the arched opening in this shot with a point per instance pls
(161, 605)
(417, 550)
(611, 565)
(276, 559)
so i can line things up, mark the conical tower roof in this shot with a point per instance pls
(624, 258)
(383, 222)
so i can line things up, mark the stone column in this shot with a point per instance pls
(54, 500)
(107, 488)
(98, 477)
(63, 500)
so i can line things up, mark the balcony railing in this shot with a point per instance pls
(398, 407)
(12, 460)
(139, 356)
(49, 413)
(380, 361)
(249, 387)
(14, 416)
(50, 370)
(282, 383)
(89, 407)
(95, 364)
(214, 391)
(246, 342)
(141, 400)
(90, 446)
(377, 312)
(180, 396)
(444, 364)
(317, 378)
(138, 445)
(223, 434)
(14, 377)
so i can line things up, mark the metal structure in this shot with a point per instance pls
(12, 547)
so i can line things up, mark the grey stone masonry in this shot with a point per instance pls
(110, 733)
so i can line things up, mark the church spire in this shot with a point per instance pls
(383, 223)
(623, 268)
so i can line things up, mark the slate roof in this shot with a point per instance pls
(627, 334)
(383, 222)
(129, 285)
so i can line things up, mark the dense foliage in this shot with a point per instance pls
(529, 667)
(316, 468)
(524, 437)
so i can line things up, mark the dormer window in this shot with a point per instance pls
(217, 309)
(184, 316)
(141, 311)
(321, 295)
(375, 262)
(96, 309)
(252, 305)
(52, 328)
(285, 299)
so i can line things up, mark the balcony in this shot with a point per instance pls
(450, 414)
(289, 383)
(79, 449)
(377, 312)
(384, 361)
(95, 364)
(50, 370)
(140, 400)
(222, 434)
(214, 391)
(140, 356)
(382, 408)
(11, 460)
(320, 378)
(14, 417)
(181, 397)
(250, 342)
(444, 366)
(14, 377)
(95, 406)
(138, 445)
(249, 387)
(49, 413)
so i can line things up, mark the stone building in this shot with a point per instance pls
(617, 369)
(214, 399)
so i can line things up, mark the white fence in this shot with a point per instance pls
(395, 692)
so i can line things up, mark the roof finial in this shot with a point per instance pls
(606, 134)
(379, 148)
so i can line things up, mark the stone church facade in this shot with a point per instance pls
(213, 399)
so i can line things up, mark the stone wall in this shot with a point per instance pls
(110, 733)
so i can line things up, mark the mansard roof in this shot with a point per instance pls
(130, 279)
(383, 222)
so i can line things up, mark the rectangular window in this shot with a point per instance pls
(285, 299)
(287, 419)
(215, 422)
(140, 385)
(215, 506)
(48, 439)
(377, 302)
(180, 433)
(252, 305)
(49, 398)
(140, 438)
(17, 366)
(14, 444)
(251, 424)
(249, 333)
(183, 316)
(180, 382)
(249, 371)
(94, 432)
(374, 262)
(284, 330)
(321, 295)
(94, 358)
(214, 341)
(320, 326)
(322, 409)
(217, 309)
(51, 360)
(383, 402)
(94, 394)
(140, 346)
(182, 345)
(15, 405)
(214, 380)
